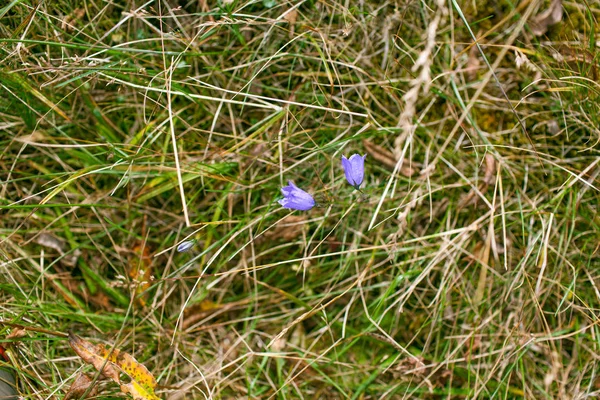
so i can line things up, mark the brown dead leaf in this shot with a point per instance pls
(90, 354)
(68, 23)
(110, 361)
(52, 242)
(386, 158)
(490, 169)
(553, 15)
(278, 345)
(100, 299)
(79, 386)
(17, 333)
(291, 17)
(32, 138)
(47, 240)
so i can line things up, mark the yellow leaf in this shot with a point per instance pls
(89, 353)
(142, 383)
(136, 371)
(138, 392)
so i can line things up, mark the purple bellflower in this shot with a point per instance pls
(295, 198)
(354, 168)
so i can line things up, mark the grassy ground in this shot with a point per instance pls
(467, 269)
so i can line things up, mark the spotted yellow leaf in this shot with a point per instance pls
(112, 360)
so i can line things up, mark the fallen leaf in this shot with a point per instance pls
(278, 345)
(291, 16)
(490, 169)
(52, 242)
(33, 138)
(47, 240)
(67, 22)
(17, 333)
(142, 383)
(137, 391)
(553, 15)
(79, 386)
(386, 158)
(90, 354)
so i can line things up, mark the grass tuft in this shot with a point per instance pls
(464, 268)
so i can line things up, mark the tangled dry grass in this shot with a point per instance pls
(467, 269)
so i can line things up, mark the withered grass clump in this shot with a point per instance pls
(467, 268)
